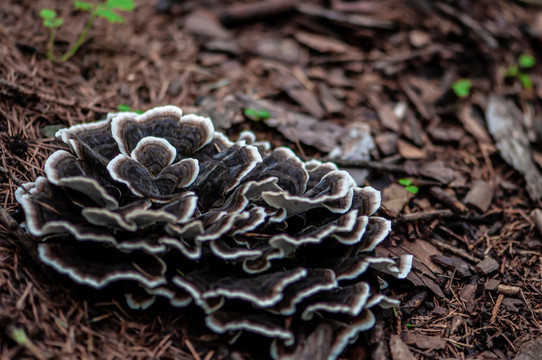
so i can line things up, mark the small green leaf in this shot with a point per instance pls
(462, 87)
(58, 22)
(405, 182)
(526, 61)
(512, 71)
(47, 14)
(409, 325)
(51, 130)
(19, 336)
(123, 108)
(395, 311)
(257, 115)
(53, 23)
(82, 5)
(109, 15)
(413, 189)
(525, 81)
(124, 5)
(127, 108)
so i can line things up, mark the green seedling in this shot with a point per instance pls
(19, 336)
(257, 115)
(123, 108)
(526, 61)
(462, 87)
(517, 71)
(107, 10)
(525, 81)
(127, 108)
(407, 183)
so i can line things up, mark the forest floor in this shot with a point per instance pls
(368, 84)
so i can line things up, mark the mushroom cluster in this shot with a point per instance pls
(161, 205)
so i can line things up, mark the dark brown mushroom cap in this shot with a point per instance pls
(327, 341)
(222, 321)
(142, 183)
(186, 134)
(49, 212)
(348, 300)
(258, 239)
(63, 169)
(224, 171)
(90, 265)
(334, 191)
(94, 138)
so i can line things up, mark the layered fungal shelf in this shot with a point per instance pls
(161, 205)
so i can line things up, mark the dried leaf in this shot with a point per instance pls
(330, 102)
(399, 350)
(512, 142)
(439, 171)
(321, 43)
(409, 151)
(205, 23)
(461, 267)
(474, 124)
(423, 341)
(394, 198)
(480, 196)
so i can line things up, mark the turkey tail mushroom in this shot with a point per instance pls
(165, 207)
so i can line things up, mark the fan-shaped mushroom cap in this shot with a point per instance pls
(154, 153)
(91, 265)
(49, 212)
(63, 169)
(186, 133)
(142, 183)
(94, 138)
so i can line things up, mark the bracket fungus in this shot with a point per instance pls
(163, 206)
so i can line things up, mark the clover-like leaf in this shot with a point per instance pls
(526, 81)
(124, 5)
(526, 61)
(109, 14)
(462, 87)
(82, 5)
(257, 115)
(47, 14)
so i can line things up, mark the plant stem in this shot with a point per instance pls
(50, 45)
(80, 40)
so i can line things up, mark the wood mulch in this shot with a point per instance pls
(328, 71)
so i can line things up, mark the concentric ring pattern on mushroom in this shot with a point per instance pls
(163, 207)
